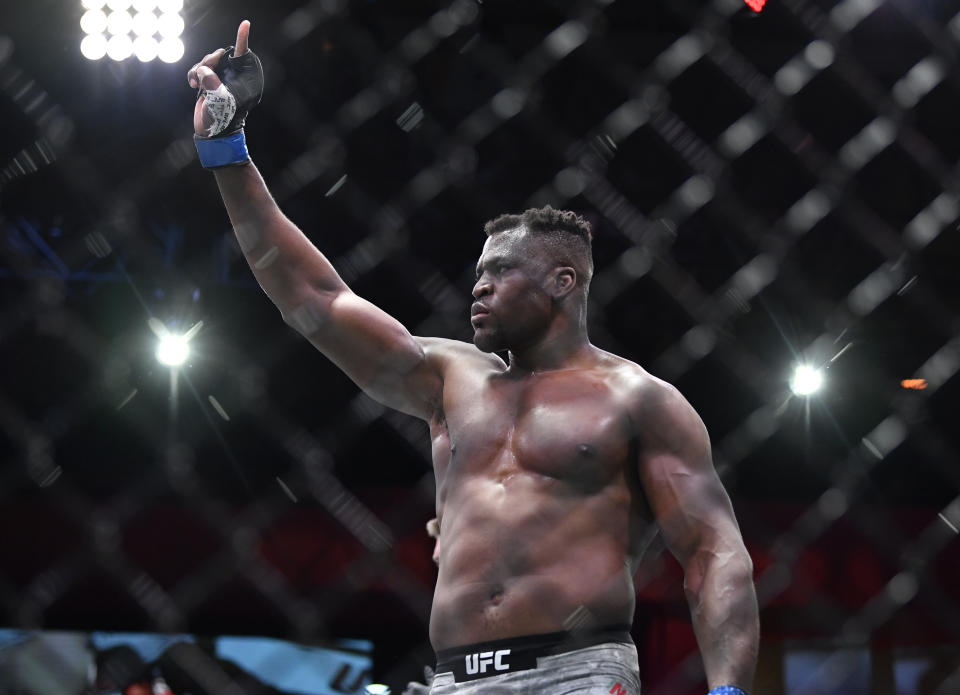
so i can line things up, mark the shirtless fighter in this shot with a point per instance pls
(551, 467)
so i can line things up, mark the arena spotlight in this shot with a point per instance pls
(93, 22)
(145, 48)
(170, 25)
(119, 23)
(172, 349)
(145, 24)
(806, 380)
(119, 47)
(170, 50)
(94, 46)
(118, 29)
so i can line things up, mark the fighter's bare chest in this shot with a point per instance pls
(572, 429)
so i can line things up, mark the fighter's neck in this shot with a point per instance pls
(564, 351)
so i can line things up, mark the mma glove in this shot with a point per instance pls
(240, 90)
(726, 690)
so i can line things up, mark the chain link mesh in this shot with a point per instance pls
(764, 188)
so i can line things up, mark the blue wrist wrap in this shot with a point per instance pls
(221, 152)
(726, 690)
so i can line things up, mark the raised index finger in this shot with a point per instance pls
(243, 34)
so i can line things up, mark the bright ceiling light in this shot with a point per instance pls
(93, 46)
(173, 350)
(119, 23)
(806, 380)
(119, 47)
(170, 25)
(171, 50)
(145, 48)
(144, 24)
(93, 22)
(132, 27)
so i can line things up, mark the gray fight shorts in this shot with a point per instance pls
(600, 663)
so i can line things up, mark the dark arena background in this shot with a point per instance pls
(768, 189)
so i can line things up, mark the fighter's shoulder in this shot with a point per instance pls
(447, 352)
(647, 397)
(634, 379)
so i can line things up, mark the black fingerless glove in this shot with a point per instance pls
(241, 90)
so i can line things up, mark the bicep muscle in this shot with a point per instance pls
(374, 349)
(676, 469)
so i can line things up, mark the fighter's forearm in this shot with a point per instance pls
(723, 606)
(282, 258)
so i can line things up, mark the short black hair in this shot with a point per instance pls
(566, 232)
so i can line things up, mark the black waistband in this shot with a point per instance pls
(484, 659)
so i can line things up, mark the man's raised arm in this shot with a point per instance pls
(373, 348)
(699, 527)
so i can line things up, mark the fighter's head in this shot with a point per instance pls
(535, 266)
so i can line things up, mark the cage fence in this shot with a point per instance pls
(764, 188)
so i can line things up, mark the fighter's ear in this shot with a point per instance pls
(564, 280)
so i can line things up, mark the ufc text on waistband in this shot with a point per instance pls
(475, 661)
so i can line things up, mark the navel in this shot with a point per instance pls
(587, 450)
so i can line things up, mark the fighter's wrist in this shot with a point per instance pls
(727, 690)
(229, 150)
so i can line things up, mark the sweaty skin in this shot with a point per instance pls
(554, 468)
(541, 511)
